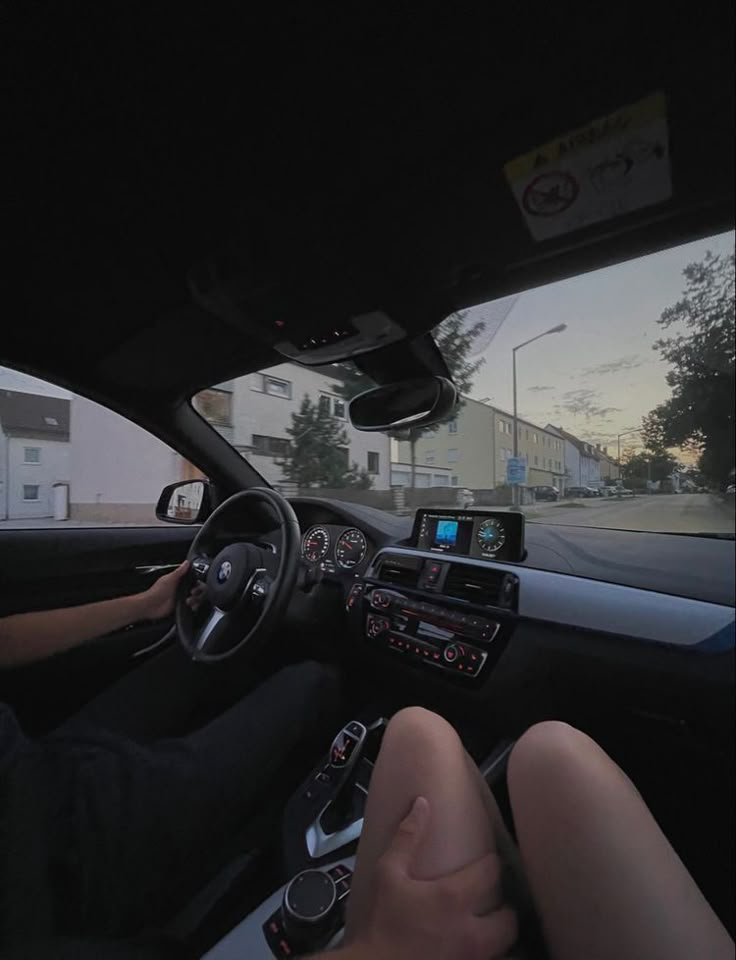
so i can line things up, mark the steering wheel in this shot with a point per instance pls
(247, 585)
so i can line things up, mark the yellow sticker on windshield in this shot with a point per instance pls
(610, 167)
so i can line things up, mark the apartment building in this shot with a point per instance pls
(473, 449)
(253, 413)
(582, 459)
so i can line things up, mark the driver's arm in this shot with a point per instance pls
(27, 637)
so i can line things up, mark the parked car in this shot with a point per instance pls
(465, 498)
(580, 492)
(731, 489)
(545, 492)
(593, 491)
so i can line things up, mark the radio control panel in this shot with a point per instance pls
(450, 640)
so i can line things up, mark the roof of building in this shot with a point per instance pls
(585, 448)
(34, 415)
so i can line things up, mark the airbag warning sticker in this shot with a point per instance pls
(610, 167)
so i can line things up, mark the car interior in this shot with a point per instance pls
(197, 197)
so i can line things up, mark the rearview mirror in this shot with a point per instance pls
(410, 403)
(186, 502)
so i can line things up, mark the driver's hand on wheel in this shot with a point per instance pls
(158, 601)
(461, 915)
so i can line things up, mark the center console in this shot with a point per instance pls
(322, 823)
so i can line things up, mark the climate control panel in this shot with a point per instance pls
(451, 640)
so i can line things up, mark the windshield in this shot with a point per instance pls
(605, 400)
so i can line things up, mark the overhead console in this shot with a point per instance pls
(483, 535)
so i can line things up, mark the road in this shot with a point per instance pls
(663, 513)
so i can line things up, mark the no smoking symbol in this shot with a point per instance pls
(549, 194)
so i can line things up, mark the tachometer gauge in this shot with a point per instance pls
(491, 536)
(315, 544)
(350, 548)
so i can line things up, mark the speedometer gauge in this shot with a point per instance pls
(350, 549)
(315, 544)
(491, 536)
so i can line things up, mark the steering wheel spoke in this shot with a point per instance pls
(205, 634)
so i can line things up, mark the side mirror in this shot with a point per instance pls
(185, 502)
(410, 403)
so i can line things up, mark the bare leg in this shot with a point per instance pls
(421, 755)
(605, 880)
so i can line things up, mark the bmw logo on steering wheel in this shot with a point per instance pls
(223, 574)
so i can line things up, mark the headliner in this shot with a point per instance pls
(328, 161)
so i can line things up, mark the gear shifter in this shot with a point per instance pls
(346, 746)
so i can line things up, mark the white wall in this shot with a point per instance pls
(264, 414)
(116, 462)
(54, 467)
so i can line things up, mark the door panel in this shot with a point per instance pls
(47, 568)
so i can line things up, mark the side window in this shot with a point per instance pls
(66, 461)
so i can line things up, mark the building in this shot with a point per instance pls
(118, 469)
(34, 453)
(473, 449)
(582, 459)
(254, 412)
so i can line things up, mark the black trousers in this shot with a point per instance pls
(137, 819)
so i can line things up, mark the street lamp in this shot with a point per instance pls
(558, 329)
(626, 433)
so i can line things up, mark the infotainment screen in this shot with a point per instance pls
(492, 535)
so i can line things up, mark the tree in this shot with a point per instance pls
(455, 339)
(700, 413)
(318, 452)
(637, 468)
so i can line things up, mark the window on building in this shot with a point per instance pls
(30, 491)
(373, 462)
(536, 461)
(453, 455)
(535, 438)
(325, 403)
(270, 446)
(452, 425)
(265, 383)
(215, 405)
(527, 434)
(454, 480)
(338, 408)
(429, 456)
(31, 454)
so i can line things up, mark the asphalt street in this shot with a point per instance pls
(663, 513)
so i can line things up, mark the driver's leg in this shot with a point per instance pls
(137, 830)
(165, 696)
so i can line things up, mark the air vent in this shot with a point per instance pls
(400, 571)
(480, 585)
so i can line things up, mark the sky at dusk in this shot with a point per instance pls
(600, 376)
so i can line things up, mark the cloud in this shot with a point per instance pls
(538, 389)
(584, 403)
(614, 366)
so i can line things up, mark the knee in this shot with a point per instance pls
(546, 753)
(420, 731)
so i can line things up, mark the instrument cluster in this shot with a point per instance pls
(335, 547)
